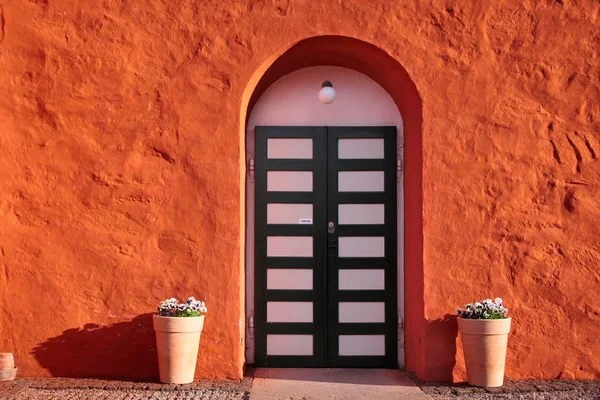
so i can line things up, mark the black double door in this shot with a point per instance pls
(325, 247)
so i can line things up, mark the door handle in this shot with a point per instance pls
(332, 243)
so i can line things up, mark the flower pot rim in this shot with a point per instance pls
(484, 326)
(178, 324)
(485, 320)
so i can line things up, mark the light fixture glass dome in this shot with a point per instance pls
(327, 93)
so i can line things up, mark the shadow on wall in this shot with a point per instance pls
(441, 339)
(124, 349)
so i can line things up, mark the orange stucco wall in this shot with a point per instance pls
(121, 171)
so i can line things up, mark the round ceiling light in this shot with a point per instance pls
(327, 93)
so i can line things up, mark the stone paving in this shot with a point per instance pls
(334, 384)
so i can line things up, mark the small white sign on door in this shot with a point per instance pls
(305, 221)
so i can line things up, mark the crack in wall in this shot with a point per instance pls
(555, 152)
(587, 144)
(577, 153)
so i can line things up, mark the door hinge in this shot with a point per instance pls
(250, 165)
(399, 161)
(400, 332)
(399, 168)
(251, 326)
(399, 144)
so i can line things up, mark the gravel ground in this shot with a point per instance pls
(98, 389)
(99, 394)
(571, 395)
(555, 389)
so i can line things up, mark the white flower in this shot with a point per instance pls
(203, 310)
(488, 303)
(182, 307)
(172, 300)
(190, 300)
(485, 309)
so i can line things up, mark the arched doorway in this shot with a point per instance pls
(360, 63)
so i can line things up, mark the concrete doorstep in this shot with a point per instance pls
(333, 384)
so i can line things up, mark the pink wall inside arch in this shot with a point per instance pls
(292, 101)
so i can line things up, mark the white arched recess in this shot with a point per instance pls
(293, 101)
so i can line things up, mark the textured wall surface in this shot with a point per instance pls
(120, 172)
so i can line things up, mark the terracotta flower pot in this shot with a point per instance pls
(8, 372)
(484, 345)
(7, 361)
(177, 342)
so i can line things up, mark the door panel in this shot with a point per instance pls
(290, 214)
(289, 279)
(290, 345)
(361, 214)
(290, 211)
(289, 311)
(290, 148)
(361, 148)
(325, 295)
(361, 279)
(361, 321)
(289, 181)
(361, 181)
